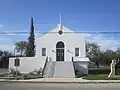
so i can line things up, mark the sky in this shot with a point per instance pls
(78, 15)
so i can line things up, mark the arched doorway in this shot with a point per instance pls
(60, 51)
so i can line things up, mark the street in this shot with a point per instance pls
(43, 86)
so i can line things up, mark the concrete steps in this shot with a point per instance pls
(64, 69)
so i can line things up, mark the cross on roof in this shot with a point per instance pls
(60, 22)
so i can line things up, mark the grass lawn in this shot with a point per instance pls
(100, 77)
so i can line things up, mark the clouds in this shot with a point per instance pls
(106, 41)
(1, 25)
(7, 47)
(110, 44)
(6, 43)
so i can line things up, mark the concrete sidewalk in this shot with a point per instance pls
(60, 80)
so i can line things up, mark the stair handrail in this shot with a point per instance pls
(45, 65)
(73, 65)
(72, 59)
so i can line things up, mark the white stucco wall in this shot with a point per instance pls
(69, 38)
(27, 64)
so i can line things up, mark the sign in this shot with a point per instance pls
(17, 62)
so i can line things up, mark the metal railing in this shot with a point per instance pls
(73, 66)
(45, 66)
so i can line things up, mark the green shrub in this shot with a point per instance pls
(36, 72)
(94, 71)
(78, 74)
(4, 74)
(28, 76)
(95, 77)
(31, 73)
(117, 71)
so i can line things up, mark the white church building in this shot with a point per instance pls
(60, 53)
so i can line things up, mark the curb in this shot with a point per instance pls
(57, 82)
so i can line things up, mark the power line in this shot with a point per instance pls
(26, 33)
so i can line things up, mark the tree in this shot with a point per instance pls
(92, 49)
(1, 52)
(4, 58)
(107, 57)
(30, 49)
(98, 57)
(118, 52)
(5, 53)
(21, 46)
(94, 53)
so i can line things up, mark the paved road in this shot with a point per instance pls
(37, 86)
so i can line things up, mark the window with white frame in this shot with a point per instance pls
(43, 51)
(76, 51)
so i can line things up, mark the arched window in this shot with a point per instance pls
(60, 51)
(60, 45)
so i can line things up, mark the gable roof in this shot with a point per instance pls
(65, 30)
(57, 29)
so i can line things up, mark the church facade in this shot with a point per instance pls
(60, 53)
